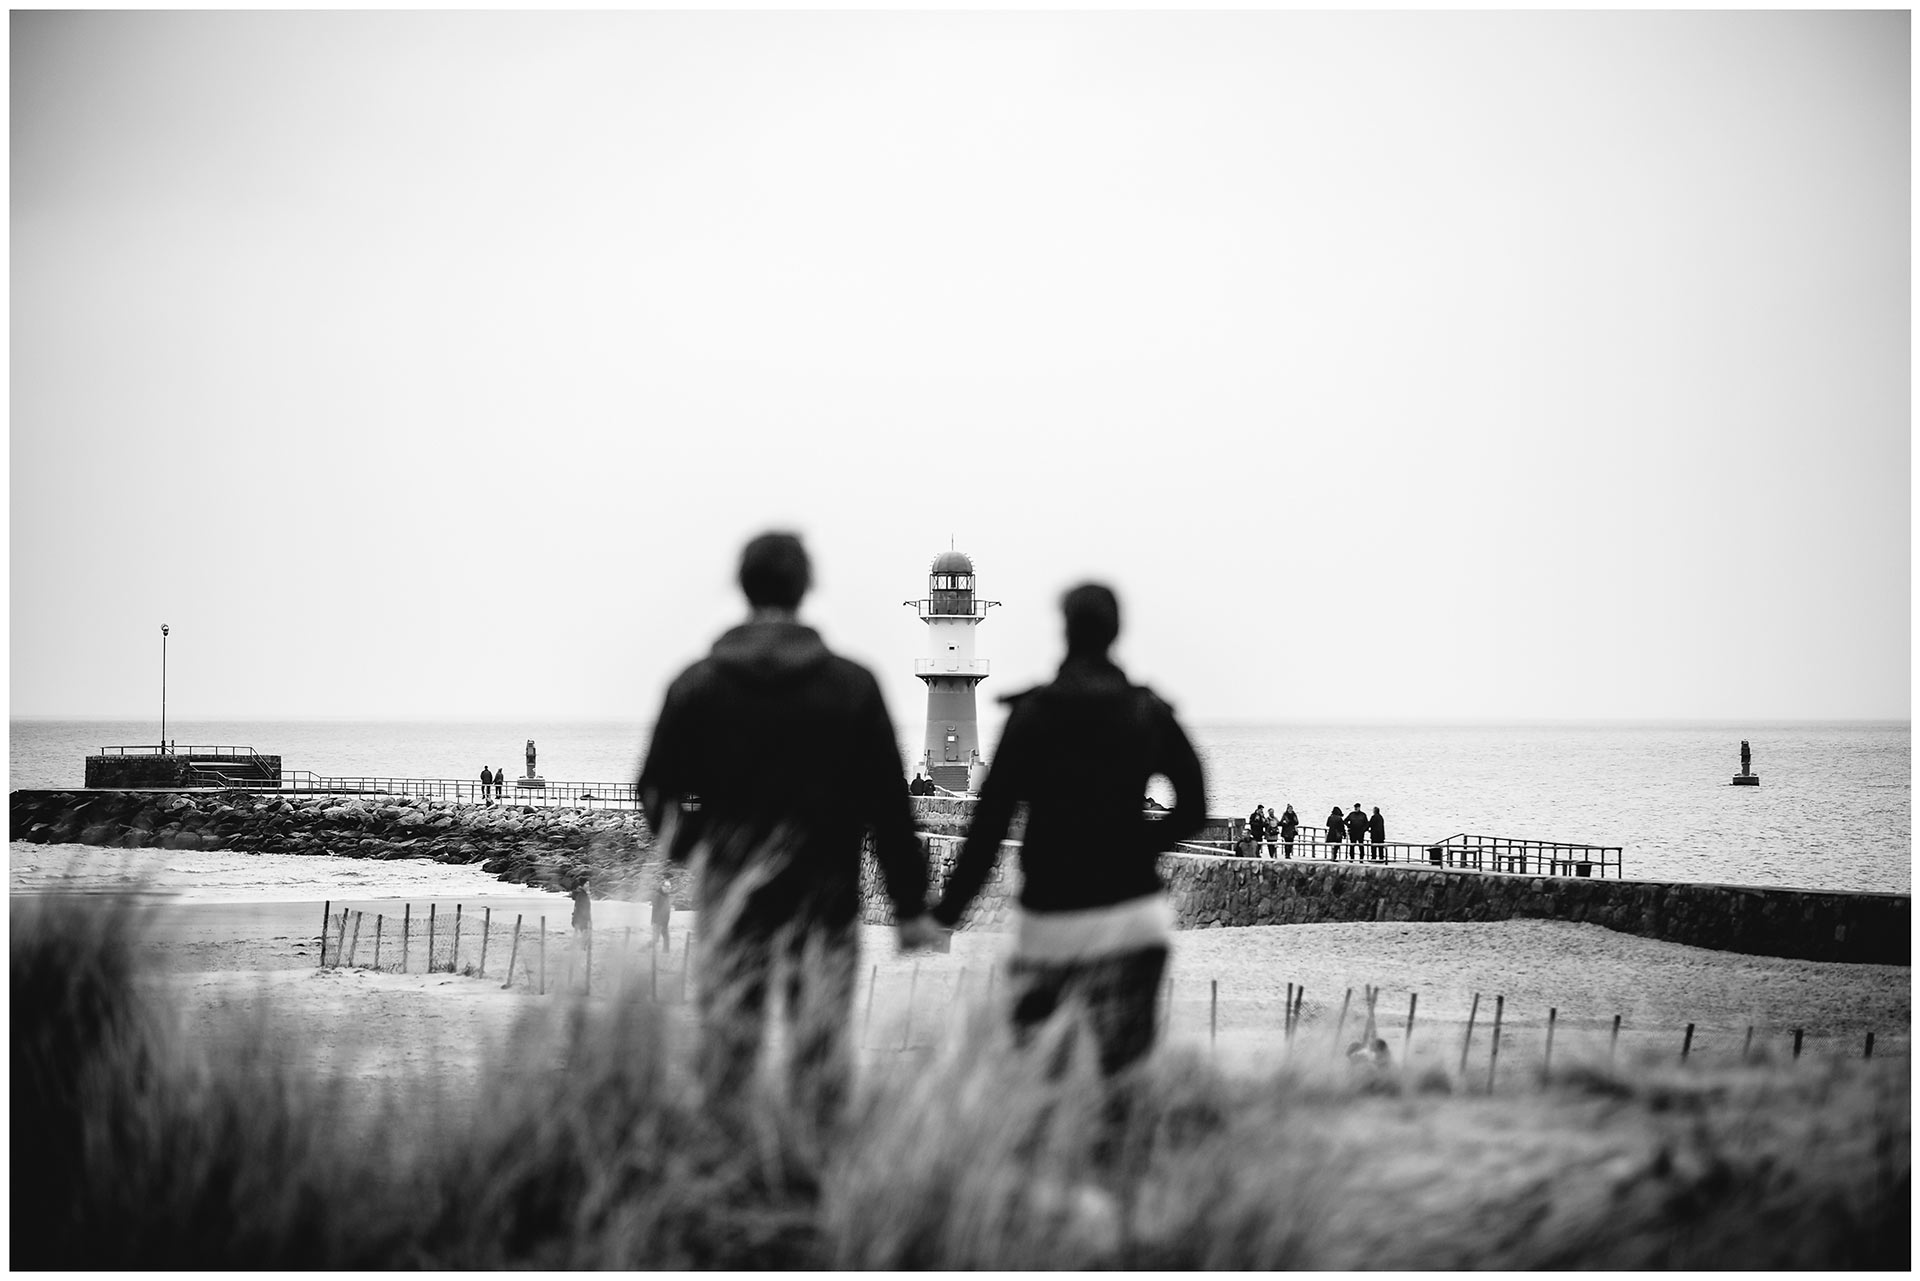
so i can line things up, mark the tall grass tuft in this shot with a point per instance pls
(588, 1142)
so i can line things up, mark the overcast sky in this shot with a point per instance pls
(1410, 365)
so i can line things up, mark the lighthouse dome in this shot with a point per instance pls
(951, 563)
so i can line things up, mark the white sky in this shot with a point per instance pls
(1409, 365)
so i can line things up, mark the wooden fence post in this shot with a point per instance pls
(1797, 1033)
(1213, 1016)
(1869, 1053)
(406, 933)
(1340, 1026)
(1286, 1018)
(377, 921)
(514, 953)
(1406, 1043)
(486, 932)
(326, 926)
(354, 946)
(1686, 1045)
(453, 964)
(1499, 1004)
(543, 956)
(340, 944)
(1613, 1042)
(433, 910)
(1546, 1069)
(1468, 1039)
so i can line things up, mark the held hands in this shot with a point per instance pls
(923, 934)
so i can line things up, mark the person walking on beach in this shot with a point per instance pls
(1094, 922)
(770, 759)
(1356, 832)
(1377, 835)
(486, 783)
(1289, 825)
(1336, 828)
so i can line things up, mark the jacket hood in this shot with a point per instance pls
(770, 653)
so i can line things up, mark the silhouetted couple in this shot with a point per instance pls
(772, 756)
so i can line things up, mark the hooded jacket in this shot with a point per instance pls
(778, 755)
(1079, 752)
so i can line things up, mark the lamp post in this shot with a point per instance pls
(163, 689)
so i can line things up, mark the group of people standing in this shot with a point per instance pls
(1277, 832)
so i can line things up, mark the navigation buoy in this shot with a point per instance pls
(1746, 777)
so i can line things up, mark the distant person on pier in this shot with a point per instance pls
(1377, 835)
(1336, 828)
(1094, 921)
(1270, 832)
(500, 783)
(1356, 831)
(770, 760)
(1289, 827)
(662, 914)
(1257, 822)
(486, 783)
(1246, 846)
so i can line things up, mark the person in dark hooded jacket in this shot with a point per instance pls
(1094, 922)
(1356, 831)
(770, 760)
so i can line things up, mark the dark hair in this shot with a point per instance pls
(774, 571)
(1093, 618)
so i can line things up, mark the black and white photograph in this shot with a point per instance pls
(906, 639)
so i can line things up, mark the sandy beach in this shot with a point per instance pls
(226, 945)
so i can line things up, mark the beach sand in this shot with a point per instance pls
(222, 961)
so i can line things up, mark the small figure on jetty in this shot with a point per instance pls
(662, 913)
(920, 786)
(1289, 826)
(1356, 832)
(1336, 829)
(1246, 846)
(1257, 822)
(582, 904)
(1270, 832)
(500, 783)
(1370, 1051)
(1094, 923)
(530, 773)
(1377, 835)
(486, 783)
(773, 756)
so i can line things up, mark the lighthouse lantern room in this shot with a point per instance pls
(951, 611)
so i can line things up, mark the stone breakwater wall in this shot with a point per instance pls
(523, 845)
(1209, 892)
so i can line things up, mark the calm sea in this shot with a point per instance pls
(1834, 809)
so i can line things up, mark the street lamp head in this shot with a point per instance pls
(163, 629)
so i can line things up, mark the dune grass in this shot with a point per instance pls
(588, 1143)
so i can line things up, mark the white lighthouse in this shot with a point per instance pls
(951, 611)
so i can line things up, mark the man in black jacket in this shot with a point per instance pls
(1094, 923)
(770, 760)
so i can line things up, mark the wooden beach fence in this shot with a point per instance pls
(1686, 1045)
(432, 911)
(1406, 1041)
(340, 944)
(1340, 1026)
(326, 920)
(486, 932)
(354, 946)
(378, 922)
(1546, 1066)
(406, 933)
(453, 962)
(1467, 1040)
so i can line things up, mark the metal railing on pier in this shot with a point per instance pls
(1518, 855)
